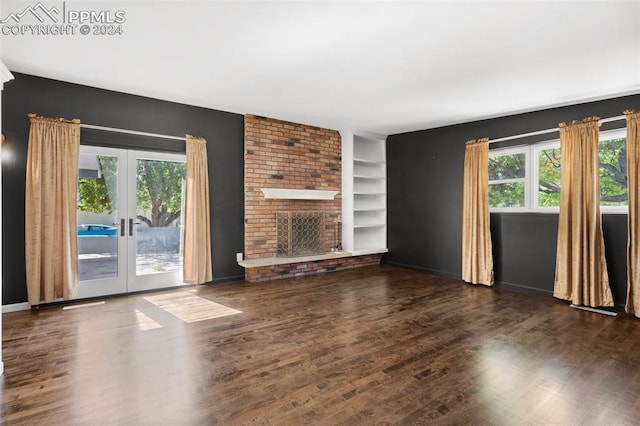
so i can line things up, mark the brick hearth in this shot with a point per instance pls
(289, 270)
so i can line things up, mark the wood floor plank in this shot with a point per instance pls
(374, 345)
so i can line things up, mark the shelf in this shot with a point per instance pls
(365, 161)
(368, 193)
(369, 250)
(370, 225)
(372, 209)
(369, 177)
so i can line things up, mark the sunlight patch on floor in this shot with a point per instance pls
(189, 307)
(82, 305)
(145, 323)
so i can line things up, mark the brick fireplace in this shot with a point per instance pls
(281, 154)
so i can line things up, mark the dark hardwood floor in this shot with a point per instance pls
(375, 345)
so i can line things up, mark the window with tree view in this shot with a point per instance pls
(612, 155)
(509, 178)
(547, 166)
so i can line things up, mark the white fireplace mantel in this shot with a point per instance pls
(298, 194)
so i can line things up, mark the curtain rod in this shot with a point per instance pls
(555, 129)
(131, 132)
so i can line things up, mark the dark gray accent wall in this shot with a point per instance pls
(223, 131)
(424, 196)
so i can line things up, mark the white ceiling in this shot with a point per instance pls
(384, 67)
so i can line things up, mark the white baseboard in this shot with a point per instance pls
(24, 306)
(596, 310)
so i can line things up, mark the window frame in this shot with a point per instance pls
(605, 136)
(532, 174)
(501, 152)
(535, 153)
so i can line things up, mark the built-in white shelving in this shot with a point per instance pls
(364, 193)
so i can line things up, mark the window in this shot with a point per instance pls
(512, 177)
(612, 154)
(507, 178)
(547, 174)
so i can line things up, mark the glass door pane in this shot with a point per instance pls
(130, 207)
(156, 205)
(101, 195)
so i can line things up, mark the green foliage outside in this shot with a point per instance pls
(510, 166)
(95, 195)
(613, 177)
(549, 177)
(506, 194)
(511, 194)
(159, 190)
(613, 173)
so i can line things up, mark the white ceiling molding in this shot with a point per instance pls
(5, 74)
(298, 194)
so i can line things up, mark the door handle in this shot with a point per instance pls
(122, 227)
(131, 227)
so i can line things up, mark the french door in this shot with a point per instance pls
(130, 206)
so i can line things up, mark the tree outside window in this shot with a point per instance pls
(509, 177)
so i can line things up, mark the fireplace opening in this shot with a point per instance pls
(299, 233)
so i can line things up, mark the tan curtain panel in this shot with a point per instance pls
(51, 247)
(581, 268)
(197, 230)
(633, 243)
(477, 258)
